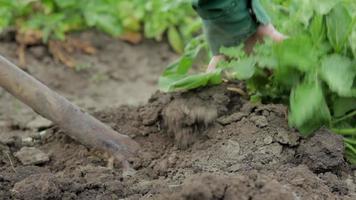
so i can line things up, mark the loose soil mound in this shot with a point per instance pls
(208, 144)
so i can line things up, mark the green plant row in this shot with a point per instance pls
(314, 71)
(55, 18)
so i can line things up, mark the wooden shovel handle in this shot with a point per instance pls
(78, 125)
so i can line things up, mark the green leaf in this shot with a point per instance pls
(66, 3)
(102, 16)
(179, 67)
(233, 52)
(264, 56)
(5, 17)
(308, 108)
(187, 82)
(337, 71)
(108, 23)
(305, 12)
(317, 29)
(341, 106)
(339, 26)
(353, 42)
(185, 62)
(324, 7)
(242, 69)
(175, 40)
(296, 52)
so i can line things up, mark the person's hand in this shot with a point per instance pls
(262, 32)
(270, 31)
(214, 62)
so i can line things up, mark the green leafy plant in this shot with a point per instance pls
(314, 71)
(55, 18)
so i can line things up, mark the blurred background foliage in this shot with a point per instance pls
(130, 19)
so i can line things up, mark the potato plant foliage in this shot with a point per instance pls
(55, 18)
(314, 70)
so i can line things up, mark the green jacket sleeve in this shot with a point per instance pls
(229, 22)
(212, 9)
(260, 13)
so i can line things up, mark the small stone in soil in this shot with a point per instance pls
(6, 139)
(38, 186)
(225, 120)
(31, 156)
(287, 137)
(323, 152)
(260, 121)
(268, 140)
(38, 52)
(28, 141)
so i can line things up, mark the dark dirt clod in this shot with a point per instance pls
(37, 187)
(252, 186)
(323, 152)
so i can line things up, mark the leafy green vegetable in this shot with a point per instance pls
(314, 71)
(342, 106)
(55, 18)
(183, 82)
(339, 25)
(325, 6)
(176, 77)
(338, 72)
(317, 29)
(291, 53)
(242, 69)
(175, 40)
(308, 107)
(353, 42)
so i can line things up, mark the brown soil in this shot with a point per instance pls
(199, 145)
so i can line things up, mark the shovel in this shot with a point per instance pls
(77, 124)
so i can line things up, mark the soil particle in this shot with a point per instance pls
(31, 156)
(189, 114)
(336, 184)
(305, 183)
(212, 187)
(38, 52)
(18, 138)
(39, 186)
(185, 118)
(266, 110)
(225, 120)
(323, 152)
(22, 172)
(260, 121)
(286, 137)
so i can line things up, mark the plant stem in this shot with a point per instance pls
(351, 148)
(345, 132)
(350, 141)
(351, 157)
(345, 117)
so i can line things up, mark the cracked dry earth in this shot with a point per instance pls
(208, 144)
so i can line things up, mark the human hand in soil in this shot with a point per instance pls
(233, 22)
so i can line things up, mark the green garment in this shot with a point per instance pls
(229, 22)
